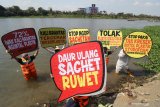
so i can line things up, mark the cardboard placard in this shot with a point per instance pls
(78, 36)
(110, 38)
(20, 41)
(137, 44)
(52, 37)
(79, 70)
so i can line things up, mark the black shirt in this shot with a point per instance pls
(27, 62)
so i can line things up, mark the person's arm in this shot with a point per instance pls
(63, 46)
(110, 52)
(51, 76)
(49, 50)
(36, 53)
(19, 60)
(121, 53)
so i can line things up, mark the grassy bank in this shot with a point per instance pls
(153, 64)
(87, 16)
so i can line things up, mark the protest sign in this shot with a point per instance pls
(79, 70)
(20, 41)
(137, 44)
(52, 37)
(78, 36)
(110, 38)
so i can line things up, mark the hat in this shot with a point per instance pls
(57, 48)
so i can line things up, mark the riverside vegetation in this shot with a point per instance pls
(153, 63)
(31, 12)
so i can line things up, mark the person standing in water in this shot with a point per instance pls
(122, 63)
(27, 65)
(108, 52)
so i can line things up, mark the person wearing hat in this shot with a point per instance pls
(27, 65)
(53, 51)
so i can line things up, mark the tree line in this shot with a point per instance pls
(31, 11)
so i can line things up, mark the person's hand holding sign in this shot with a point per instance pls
(79, 70)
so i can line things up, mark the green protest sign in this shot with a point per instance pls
(52, 37)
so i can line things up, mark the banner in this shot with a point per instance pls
(137, 44)
(20, 41)
(79, 70)
(52, 37)
(78, 36)
(110, 38)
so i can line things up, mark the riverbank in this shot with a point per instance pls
(88, 17)
(146, 95)
(130, 92)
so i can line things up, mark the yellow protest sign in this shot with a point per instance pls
(137, 44)
(52, 37)
(110, 38)
(78, 36)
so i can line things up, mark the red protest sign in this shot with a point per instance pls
(79, 69)
(20, 41)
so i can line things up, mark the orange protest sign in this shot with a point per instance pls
(78, 36)
(137, 44)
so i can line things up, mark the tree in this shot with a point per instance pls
(105, 12)
(10, 12)
(42, 12)
(31, 11)
(50, 11)
(128, 15)
(121, 15)
(16, 10)
(2, 11)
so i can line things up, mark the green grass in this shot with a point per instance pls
(153, 63)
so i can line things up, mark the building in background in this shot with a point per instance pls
(83, 10)
(92, 10)
(89, 10)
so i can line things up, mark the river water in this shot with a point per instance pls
(14, 90)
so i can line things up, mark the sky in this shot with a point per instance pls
(148, 7)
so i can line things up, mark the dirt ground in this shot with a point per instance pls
(147, 94)
(122, 94)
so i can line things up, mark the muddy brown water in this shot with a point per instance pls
(136, 70)
(16, 92)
